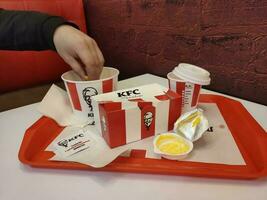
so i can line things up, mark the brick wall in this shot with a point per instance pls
(227, 37)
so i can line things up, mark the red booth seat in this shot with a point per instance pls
(21, 69)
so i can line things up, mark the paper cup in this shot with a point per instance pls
(187, 81)
(80, 92)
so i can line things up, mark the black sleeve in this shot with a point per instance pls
(28, 30)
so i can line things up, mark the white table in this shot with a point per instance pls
(18, 181)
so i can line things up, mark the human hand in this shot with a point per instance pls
(80, 51)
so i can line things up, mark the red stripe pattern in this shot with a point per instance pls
(180, 87)
(74, 96)
(113, 124)
(174, 107)
(138, 153)
(107, 85)
(195, 95)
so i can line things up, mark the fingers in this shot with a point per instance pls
(99, 53)
(76, 66)
(79, 51)
(90, 58)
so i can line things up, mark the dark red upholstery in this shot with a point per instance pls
(228, 38)
(29, 68)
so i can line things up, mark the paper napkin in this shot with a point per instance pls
(78, 142)
(57, 106)
(95, 152)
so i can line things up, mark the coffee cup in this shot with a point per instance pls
(187, 80)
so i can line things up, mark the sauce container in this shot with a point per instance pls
(172, 146)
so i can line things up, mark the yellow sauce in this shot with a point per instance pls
(172, 145)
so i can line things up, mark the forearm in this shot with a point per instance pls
(27, 30)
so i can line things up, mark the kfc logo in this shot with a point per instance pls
(129, 93)
(87, 94)
(64, 143)
(188, 86)
(148, 118)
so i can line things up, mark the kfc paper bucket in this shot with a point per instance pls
(80, 92)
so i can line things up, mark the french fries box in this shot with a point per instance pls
(133, 114)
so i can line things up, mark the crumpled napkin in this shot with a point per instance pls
(97, 155)
(56, 105)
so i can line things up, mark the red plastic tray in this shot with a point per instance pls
(249, 136)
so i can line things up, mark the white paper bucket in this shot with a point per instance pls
(80, 92)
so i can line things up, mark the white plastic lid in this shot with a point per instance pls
(192, 73)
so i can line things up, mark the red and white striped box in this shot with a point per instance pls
(133, 114)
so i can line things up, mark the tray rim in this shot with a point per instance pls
(124, 165)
